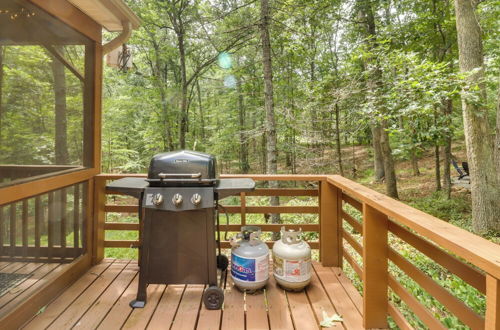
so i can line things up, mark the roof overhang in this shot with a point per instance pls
(111, 14)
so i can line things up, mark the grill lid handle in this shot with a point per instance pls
(179, 175)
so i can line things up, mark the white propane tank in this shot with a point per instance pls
(249, 259)
(292, 261)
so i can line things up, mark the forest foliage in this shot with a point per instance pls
(320, 69)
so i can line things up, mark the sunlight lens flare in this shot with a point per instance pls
(224, 60)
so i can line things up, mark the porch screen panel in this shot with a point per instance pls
(46, 79)
(45, 228)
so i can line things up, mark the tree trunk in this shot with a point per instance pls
(184, 89)
(414, 162)
(448, 110)
(244, 166)
(437, 167)
(390, 173)
(378, 158)
(61, 126)
(337, 138)
(271, 140)
(484, 175)
(202, 115)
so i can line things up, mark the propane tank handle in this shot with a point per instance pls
(290, 236)
(233, 241)
(254, 237)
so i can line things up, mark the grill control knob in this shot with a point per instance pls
(177, 200)
(196, 199)
(157, 199)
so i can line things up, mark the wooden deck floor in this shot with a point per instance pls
(37, 274)
(100, 298)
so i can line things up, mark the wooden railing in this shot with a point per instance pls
(16, 174)
(363, 230)
(45, 228)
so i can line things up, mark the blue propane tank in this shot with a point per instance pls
(249, 259)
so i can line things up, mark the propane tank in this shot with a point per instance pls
(292, 260)
(249, 259)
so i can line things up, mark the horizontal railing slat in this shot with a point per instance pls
(121, 226)
(352, 242)
(353, 202)
(230, 209)
(423, 313)
(458, 308)
(358, 226)
(350, 259)
(274, 227)
(273, 209)
(457, 267)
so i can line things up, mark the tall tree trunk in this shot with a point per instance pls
(375, 86)
(437, 167)
(414, 162)
(378, 158)
(337, 138)
(448, 110)
(184, 88)
(484, 175)
(61, 125)
(202, 115)
(270, 125)
(390, 172)
(244, 166)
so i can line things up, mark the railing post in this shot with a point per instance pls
(492, 319)
(375, 268)
(330, 204)
(99, 219)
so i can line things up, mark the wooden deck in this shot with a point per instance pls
(37, 274)
(100, 298)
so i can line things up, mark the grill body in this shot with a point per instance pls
(177, 207)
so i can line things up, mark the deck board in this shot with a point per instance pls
(339, 297)
(139, 318)
(52, 312)
(96, 313)
(279, 312)
(100, 299)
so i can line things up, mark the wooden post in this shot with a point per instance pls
(99, 219)
(492, 317)
(330, 199)
(243, 203)
(375, 271)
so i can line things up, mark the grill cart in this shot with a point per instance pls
(177, 212)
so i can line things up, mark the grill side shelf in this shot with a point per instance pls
(231, 187)
(129, 186)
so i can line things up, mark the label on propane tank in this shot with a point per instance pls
(250, 269)
(291, 270)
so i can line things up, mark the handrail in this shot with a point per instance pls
(476, 250)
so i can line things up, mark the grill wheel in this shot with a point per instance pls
(213, 297)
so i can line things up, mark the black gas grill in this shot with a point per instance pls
(177, 206)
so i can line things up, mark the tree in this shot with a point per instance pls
(61, 125)
(478, 138)
(270, 125)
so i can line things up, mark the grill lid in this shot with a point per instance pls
(185, 168)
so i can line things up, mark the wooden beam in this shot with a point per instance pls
(57, 54)
(36, 187)
(375, 268)
(99, 220)
(72, 16)
(492, 303)
(330, 222)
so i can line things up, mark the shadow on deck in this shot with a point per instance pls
(100, 298)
